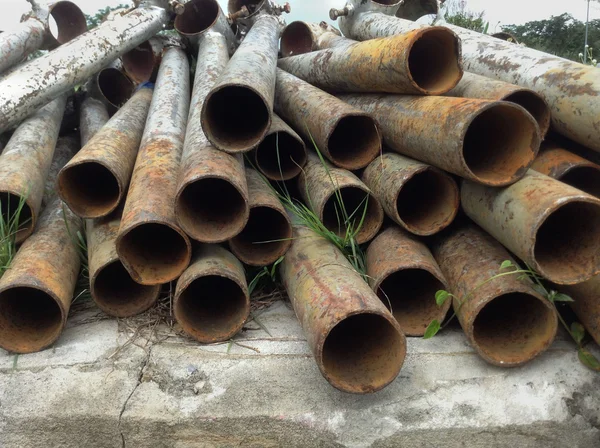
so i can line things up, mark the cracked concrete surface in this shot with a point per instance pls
(92, 389)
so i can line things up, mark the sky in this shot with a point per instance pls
(496, 12)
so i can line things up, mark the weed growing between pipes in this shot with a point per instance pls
(10, 224)
(82, 288)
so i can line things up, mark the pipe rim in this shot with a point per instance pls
(116, 78)
(205, 10)
(141, 63)
(291, 144)
(305, 41)
(584, 176)
(70, 22)
(533, 103)
(354, 158)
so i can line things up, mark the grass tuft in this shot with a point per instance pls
(10, 224)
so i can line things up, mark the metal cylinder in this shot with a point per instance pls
(418, 197)
(586, 305)
(201, 15)
(92, 116)
(95, 181)
(357, 344)
(111, 86)
(413, 9)
(282, 154)
(336, 195)
(490, 142)
(503, 35)
(211, 203)
(551, 226)
(405, 276)
(18, 42)
(39, 81)
(151, 246)
(268, 233)
(303, 37)
(142, 62)
(24, 165)
(211, 298)
(347, 136)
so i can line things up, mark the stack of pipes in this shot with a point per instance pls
(379, 132)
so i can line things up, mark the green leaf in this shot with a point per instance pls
(432, 329)
(588, 360)
(560, 297)
(540, 290)
(578, 332)
(441, 296)
(506, 264)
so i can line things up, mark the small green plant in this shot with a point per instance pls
(10, 224)
(266, 272)
(589, 59)
(82, 289)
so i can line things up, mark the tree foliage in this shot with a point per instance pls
(101, 15)
(457, 13)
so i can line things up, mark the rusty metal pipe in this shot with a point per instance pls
(405, 276)
(418, 197)
(151, 246)
(505, 320)
(414, 9)
(586, 305)
(345, 135)
(357, 344)
(111, 86)
(25, 162)
(490, 142)
(199, 16)
(211, 298)
(142, 62)
(93, 115)
(551, 226)
(95, 181)
(323, 186)
(303, 37)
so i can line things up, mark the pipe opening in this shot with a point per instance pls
(265, 224)
(237, 118)
(197, 17)
(234, 6)
(506, 336)
(140, 62)
(16, 214)
(415, 9)
(535, 105)
(585, 178)
(433, 61)
(354, 201)
(411, 294)
(212, 210)
(117, 294)
(30, 319)
(386, 2)
(566, 245)
(69, 22)
(291, 159)
(428, 202)
(90, 189)
(154, 252)
(212, 308)
(297, 38)
(500, 144)
(355, 142)
(363, 353)
(115, 86)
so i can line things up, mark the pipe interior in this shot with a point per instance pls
(428, 202)
(535, 105)
(234, 6)
(355, 142)
(410, 295)
(30, 319)
(567, 242)
(500, 144)
(212, 308)
(140, 62)
(415, 9)
(115, 86)
(297, 38)
(386, 2)
(363, 352)
(433, 61)
(280, 156)
(585, 178)
(13, 217)
(507, 336)
(69, 20)
(197, 16)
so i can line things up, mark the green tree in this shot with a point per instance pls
(457, 13)
(101, 15)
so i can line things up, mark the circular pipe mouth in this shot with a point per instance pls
(211, 210)
(427, 202)
(17, 214)
(363, 353)
(154, 253)
(434, 61)
(509, 338)
(415, 9)
(115, 292)
(296, 38)
(500, 144)
(386, 2)
(115, 86)
(567, 241)
(280, 156)
(30, 319)
(69, 21)
(266, 237)
(354, 142)
(535, 105)
(90, 189)
(354, 200)
(140, 63)
(584, 178)
(212, 308)
(197, 17)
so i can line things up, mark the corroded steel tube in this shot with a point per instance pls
(405, 276)
(358, 345)
(94, 182)
(201, 15)
(142, 62)
(505, 320)
(303, 37)
(413, 9)
(268, 233)
(25, 162)
(347, 136)
(211, 204)
(420, 198)
(421, 62)
(111, 86)
(211, 298)
(151, 246)
(586, 304)
(323, 186)
(551, 226)
(476, 86)
(282, 154)
(490, 142)
(92, 116)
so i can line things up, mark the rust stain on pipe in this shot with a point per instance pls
(420, 198)
(303, 37)
(490, 142)
(357, 344)
(505, 320)
(94, 182)
(586, 304)
(211, 298)
(92, 116)
(551, 226)
(405, 276)
(141, 64)
(202, 16)
(347, 136)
